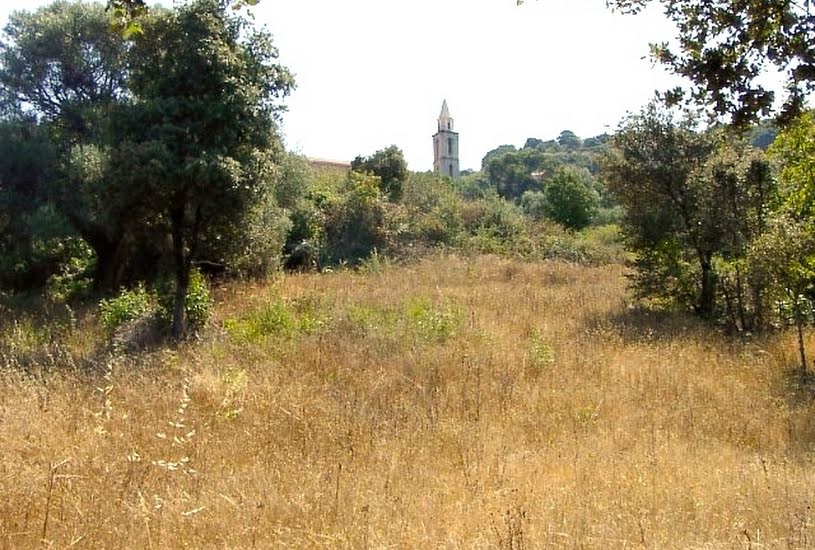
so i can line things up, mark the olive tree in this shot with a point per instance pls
(62, 67)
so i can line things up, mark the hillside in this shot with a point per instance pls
(455, 403)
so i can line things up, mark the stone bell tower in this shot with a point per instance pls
(445, 146)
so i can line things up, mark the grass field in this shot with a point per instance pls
(452, 403)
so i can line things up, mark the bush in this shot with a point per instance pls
(534, 204)
(569, 199)
(72, 280)
(433, 210)
(357, 222)
(433, 324)
(127, 306)
(198, 303)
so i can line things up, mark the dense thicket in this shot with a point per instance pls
(718, 226)
(111, 144)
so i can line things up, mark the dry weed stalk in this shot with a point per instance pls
(546, 413)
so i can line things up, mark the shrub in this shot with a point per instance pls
(540, 352)
(127, 306)
(357, 222)
(198, 303)
(434, 324)
(534, 204)
(569, 199)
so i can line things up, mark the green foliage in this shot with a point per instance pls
(569, 140)
(493, 219)
(190, 149)
(295, 178)
(27, 217)
(278, 319)
(784, 257)
(357, 222)
(126, 306)
(499, 151)
(198, 301)
(63, 66)
(387, 164)
(433, 324)
(274, 319)
(63, 63)
(692, 202)
(73, 278)
(540, 353)
(253, 246)
(569, 199)
(724, 46)
(515, 172)
(794, 148)
(534, 204)
(432, 208)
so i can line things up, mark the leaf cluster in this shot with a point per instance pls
(724, 46)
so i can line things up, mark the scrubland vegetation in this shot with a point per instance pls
(456, 402)
(207, 342)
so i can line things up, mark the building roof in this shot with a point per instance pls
(328, 162)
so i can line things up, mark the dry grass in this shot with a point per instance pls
(454, 403)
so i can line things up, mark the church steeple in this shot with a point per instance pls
(445, 122)
(445, 145)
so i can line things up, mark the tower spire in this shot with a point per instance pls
(445, 122)
(445, 145)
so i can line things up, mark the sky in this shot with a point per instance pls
(373, 73)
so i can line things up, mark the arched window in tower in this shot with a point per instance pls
(450, 147)
(449, 124)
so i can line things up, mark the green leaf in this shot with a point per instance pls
(132, 30)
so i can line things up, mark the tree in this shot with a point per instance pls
(726, 45)
(569, 140)
(737, 192)
(515, 172)
(533, 143)
(795, 150)
(648, 168)
(785, 256)
(389, 164)
(27, 162)
(126, 15)
(198, 151)
(694, 203)
(62, 66)
(569, 198)
(497, 152)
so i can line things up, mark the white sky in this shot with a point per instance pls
(372, 73)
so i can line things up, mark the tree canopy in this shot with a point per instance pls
(724, 46)
(199, 150)
(389, 164)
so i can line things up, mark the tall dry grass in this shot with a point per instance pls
(454, 403)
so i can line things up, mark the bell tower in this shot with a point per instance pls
(445, 146)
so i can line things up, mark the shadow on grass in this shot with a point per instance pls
(799, 385)
(638, 323)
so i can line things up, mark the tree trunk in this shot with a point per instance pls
(110, 263)
(799, 325)
(707, 300)
(110, 251)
